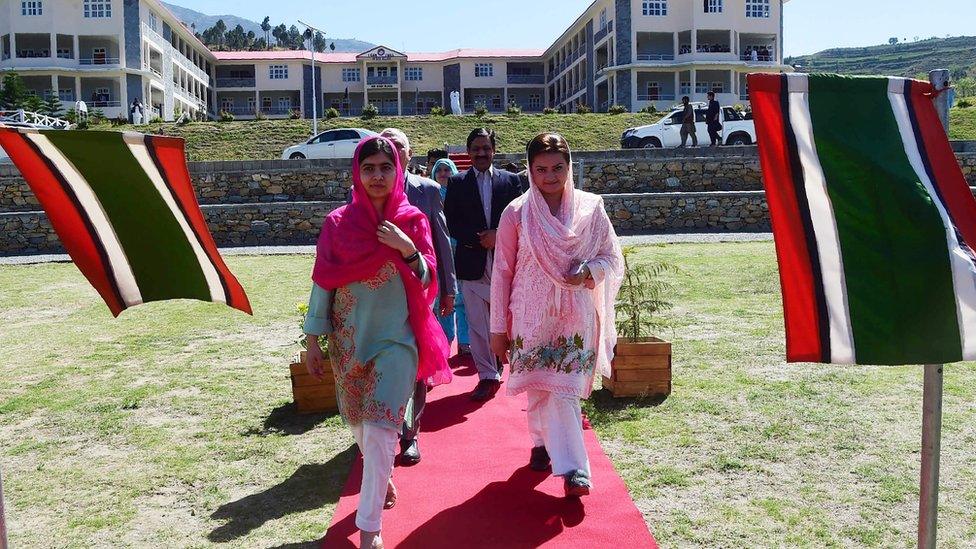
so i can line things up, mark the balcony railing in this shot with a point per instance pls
(243, 111)
(656, 97)
(99, 61)
(767, 58)
(744, 96)
(177, 56)
(278, 110)
(103, 103)
(381, 80)
(602, 33)
(65, 55)
(236, 82)
(526, 79)
(655, 57)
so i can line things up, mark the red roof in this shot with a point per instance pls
(351, 57)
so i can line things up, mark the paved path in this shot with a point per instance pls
(289, 250)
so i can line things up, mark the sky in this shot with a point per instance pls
(439, 25)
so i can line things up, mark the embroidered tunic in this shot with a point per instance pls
(372, 346)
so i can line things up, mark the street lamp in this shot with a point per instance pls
(315, 115)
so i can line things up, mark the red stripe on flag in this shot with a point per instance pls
(949, 179)
(796, 273)
(63, 212)
(172, 158)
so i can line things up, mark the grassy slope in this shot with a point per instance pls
(169, 426)
(265, 139)
(962, 123)
(904, 59)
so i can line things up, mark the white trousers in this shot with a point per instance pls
(477, 295)
(378, 446)
(556, 422)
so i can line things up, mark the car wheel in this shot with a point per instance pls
(650, 143)
(296, 156)
(739, 140)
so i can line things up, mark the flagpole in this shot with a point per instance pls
(315, 116)
(3, 522)
(928, 504)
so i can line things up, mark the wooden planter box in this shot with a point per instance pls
(311, 395)
(640, 367)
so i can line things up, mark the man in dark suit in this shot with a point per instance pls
(425, 194)
(712, 120)
(474, 204)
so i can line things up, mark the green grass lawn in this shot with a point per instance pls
(171, 425)
(962, 123)
(266, 139)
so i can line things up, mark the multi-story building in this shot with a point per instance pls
(633, 53)
(106, 53)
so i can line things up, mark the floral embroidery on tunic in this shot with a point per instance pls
(565, 355)
(356, 382)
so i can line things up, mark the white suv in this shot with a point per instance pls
(737, 129)
(338, 143)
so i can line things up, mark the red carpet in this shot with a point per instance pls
(485, 495)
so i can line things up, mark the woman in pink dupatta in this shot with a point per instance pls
(558, 267)
(372, 295)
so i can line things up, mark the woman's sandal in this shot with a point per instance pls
(370, 540)
(391, 496)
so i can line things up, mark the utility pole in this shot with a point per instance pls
(315, 115)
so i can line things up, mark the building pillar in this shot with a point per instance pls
(53, 52)
(505, 97)
(732, 41)
(78, 88)
(13, 45)
(677, 85)
(257, 101)
(732, 83)
(365, 81)
(694, 83)
(694, 40)
(400, 90)
(677, 44)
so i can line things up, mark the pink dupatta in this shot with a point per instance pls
(348, 251)
(581, 232)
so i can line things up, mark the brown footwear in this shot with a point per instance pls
(391, 496)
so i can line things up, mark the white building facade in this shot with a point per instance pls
(633, 53)
(106, 53)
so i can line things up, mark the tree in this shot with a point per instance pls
(966, 87)
(14, 92)
(893, 40)
(33, 102)
(259, 44)
(318, 43)
(294, 38)
(266, 27)
(52, 104)
(281, 35)
(220, 28)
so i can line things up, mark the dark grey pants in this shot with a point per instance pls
(411, 425)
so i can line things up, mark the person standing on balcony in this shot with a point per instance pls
(712, 120)
(688, 123)
(474, 204)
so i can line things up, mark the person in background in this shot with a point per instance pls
(712, 120)
(688, 123)
(454, 324)
(433, 155)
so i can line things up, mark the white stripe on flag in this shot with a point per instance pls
(125, 279)
(963, 269)
(824, 223)
(137, 146)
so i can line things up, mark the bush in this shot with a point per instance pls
(331, 113)
(583, 109)
(157, 120)
(513, 110)
(964, 104)
(549, 110)
(617, 109)
(650, 109)
(369, 112)
(480, 111)
(438, 111)
(259, 115)
(642, 296)
(226, 116)
(82, 124)
(96, 116)
(120, 120)
(71, 116)
(295, 114)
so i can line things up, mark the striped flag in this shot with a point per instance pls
(125, 211)
(872, 217)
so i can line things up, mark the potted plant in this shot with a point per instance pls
(311, 395)
(642, 362)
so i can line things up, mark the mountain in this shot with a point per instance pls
(204, 21)
(911, 59)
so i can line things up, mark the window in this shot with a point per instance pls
(718, 87)
(757, 8)
(653, 91)
(66, 94)
(482, 70)
(350, 75)
(702, 87)
(657, 8)
(97, 8)
(413, 73)
(713, 6)
(31, 8)
(153, 21)
(278, 72)
(252, 104)
(685, 88)
(226, 103)
(603, 19)
(535, 101)
(284, 103)
(266, 103)
(64, 53)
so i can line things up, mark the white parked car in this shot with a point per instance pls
(338, 143)
(737, 129)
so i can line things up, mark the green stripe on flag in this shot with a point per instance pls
(159, 254)
(892, 239)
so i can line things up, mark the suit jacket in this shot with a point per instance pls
(466, 216)
(425, 195)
